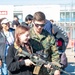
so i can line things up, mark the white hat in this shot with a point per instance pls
(5, 21)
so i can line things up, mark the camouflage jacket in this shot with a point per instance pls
(46, 43)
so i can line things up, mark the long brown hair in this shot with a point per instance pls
(20, 30)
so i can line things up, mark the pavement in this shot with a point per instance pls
(71, 62)
(70, 55)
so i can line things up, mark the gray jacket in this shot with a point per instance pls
(3, 41)
(2, 46)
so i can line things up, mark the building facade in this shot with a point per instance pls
(63, 15)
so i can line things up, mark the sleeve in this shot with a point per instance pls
(13, 65)
(55, 54)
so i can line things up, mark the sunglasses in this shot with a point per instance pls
(41, 25)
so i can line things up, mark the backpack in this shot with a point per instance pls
(60, 34)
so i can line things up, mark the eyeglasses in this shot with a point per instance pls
(41, 25)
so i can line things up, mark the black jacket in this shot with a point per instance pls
(16, 64)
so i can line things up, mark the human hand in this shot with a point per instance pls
(57, 72)
(28, 62)
(48, 66)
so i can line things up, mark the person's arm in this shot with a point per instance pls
(55, 54)
(14, 64)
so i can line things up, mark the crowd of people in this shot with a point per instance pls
(35, 35)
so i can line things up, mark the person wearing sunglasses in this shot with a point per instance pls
(42, 42)
(6, 39)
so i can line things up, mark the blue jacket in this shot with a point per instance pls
(48, 26)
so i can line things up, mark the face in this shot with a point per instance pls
(29, 21)
(38, 26)
(16, 19)
(6, 26)
(24, 37)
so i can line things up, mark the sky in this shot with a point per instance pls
(35, 2)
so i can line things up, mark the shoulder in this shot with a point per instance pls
(48, 36)
(13, 21)
(45, 32)
(11, 49)
(12, 31)
(48, 24)
(32, 31)
(1, 35)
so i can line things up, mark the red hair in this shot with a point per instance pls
(20, 30)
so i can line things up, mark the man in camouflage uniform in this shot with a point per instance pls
(42, 42)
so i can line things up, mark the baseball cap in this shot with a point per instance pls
(5, 21)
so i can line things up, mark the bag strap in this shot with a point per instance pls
(5, 37)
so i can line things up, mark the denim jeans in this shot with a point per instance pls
(0, 71)
(4, 69)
